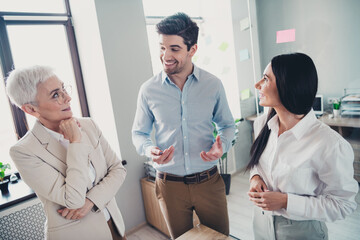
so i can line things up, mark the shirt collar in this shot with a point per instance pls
(299, 129)
(304, 125)
(195, 74)
(59, 137)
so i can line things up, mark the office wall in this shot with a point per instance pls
(128, 64)
(248, 71)
(327, 30)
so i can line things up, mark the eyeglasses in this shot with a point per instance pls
(59, 95)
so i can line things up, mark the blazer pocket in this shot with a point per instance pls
(54, 229)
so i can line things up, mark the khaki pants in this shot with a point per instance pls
(268, 227)
(178, 200)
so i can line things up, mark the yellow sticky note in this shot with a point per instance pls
(223, 46)
(245, 94)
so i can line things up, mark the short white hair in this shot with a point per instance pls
(21, 84)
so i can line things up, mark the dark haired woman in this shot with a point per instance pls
(301, 171)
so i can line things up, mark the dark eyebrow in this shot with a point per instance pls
(175, 46)
(265, 75)
(53, 91)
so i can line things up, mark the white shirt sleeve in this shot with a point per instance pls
(337, 199)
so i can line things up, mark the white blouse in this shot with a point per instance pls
(313, 164)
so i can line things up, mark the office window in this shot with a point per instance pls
(7, 130)
(38, 6)
(36, 38)
(44, 45)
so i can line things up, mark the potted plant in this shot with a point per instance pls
(223, 160)
(4, 183)
(336, 108)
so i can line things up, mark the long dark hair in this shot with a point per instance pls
(297, 83)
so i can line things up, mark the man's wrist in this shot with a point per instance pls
(148, 151)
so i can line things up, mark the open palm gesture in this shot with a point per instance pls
(214, 153)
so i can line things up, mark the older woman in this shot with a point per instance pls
(66, 161)
(301, 169)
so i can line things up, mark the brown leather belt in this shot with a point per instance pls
(188, 179)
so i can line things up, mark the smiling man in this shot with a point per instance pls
(181, 102)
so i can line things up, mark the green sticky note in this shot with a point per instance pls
(245, 94)
(223, 46)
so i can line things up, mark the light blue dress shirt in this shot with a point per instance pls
(183, 119)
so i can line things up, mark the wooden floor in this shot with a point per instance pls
(240, 215)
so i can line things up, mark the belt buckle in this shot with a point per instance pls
(186, 176)
(184, 179)
(198, 178)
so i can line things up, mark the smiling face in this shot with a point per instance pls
(268, 92)
(174, 55)
(52, 103)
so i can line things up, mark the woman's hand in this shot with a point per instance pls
(257, 184)
(70, 128)
(269, 201)
(73, 214)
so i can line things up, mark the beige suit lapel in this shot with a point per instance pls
(51, 144)
(53, 147)
(50, 151)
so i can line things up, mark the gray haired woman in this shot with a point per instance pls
(77, 173)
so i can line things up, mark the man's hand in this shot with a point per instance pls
(215, 152)
(73, 214)
(70, 128)
(269, 201)
(162, 157)
(257, 184)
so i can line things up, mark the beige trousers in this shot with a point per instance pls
(178, 200)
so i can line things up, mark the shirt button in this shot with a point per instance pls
(183, 119)
(183, 102)
(185, 137)
(186, 154)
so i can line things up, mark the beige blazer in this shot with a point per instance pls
(60, 178)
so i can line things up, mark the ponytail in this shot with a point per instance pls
(260, 143)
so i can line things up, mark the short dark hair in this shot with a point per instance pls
(297, 83)
(181, 25)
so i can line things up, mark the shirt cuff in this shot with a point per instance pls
(253, 172)
(295, 204)
(148, 151)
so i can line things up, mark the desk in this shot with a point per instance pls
(200, 232)
(340, 122)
